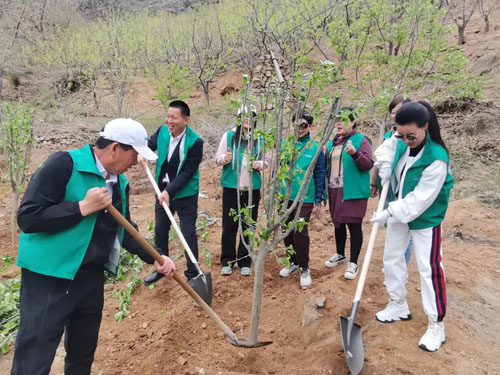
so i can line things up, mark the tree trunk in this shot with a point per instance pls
(461, 37)
(13, 217)
(207, 94)
(1, 82)
(258, 284)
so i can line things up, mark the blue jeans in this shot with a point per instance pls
(390, 198)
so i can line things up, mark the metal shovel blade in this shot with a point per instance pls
(244, 343)
(353, 345)
(202, 285)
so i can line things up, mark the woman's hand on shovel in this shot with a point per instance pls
(167, 268)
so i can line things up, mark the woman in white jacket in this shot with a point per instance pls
(418, 167)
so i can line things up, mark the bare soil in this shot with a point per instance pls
(166, 333)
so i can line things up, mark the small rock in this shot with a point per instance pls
(202, 371)
(181, 361)
(320, 301)
(145, 325)
(203, 325)
(369, 300)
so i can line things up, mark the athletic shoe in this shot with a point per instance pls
(351, 271)
(246, 271)
(226, 271)
(305, 278)
(335, 260)
(394, 311)
(287, 271)
(433, 338)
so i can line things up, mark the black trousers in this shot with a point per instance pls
(356, 233)
(300, 239)
(50, 306)
(230, 227)
(187, 209)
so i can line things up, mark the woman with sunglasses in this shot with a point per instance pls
(348, 163)
(298, 239)
(421, 182)
(380, 155)
(232, 155)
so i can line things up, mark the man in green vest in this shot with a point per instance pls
(68, 239)
(180, 151)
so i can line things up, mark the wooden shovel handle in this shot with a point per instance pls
(371, 244)
(155, 254)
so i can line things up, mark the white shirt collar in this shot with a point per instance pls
(112, 178)
(178, 137)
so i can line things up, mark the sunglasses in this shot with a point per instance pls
(409, 137)
(303, 125)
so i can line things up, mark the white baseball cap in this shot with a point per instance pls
(129, 132)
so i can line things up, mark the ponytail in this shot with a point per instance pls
(434, 128)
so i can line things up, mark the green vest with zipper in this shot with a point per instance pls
(163, 141)
(307, 151)
(356, 180)
(229, 178)
(61, 254)
(433, 151)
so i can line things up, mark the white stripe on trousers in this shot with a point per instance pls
(428, 252)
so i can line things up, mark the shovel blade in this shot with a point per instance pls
(202, 285)
(244, 343)
(353, 345)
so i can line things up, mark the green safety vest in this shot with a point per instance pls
(61, 254)
(356, 181)
(433, 151)
(163, 141)
(229, 178)
(304, 159)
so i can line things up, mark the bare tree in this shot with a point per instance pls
(485, 8)
(461, 12)
(208, 48)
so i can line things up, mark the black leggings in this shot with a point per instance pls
(356, 234)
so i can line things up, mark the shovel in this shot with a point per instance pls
(351, 332)
(202, 283)
(230, 336)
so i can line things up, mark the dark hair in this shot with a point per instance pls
(421, 113)
(304, 115)
(102, 143)
(352, 115)
(397, 100)
(183, 107)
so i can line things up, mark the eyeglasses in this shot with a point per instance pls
(410, 137)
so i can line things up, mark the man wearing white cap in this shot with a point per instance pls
(67, 241)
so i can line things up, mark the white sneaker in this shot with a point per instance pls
(433, 338)
(287, 271)
(335, 260)
(394, 311)
(226, 270)
(351, 271)
(305, 278)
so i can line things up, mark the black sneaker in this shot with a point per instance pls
(152, 278)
